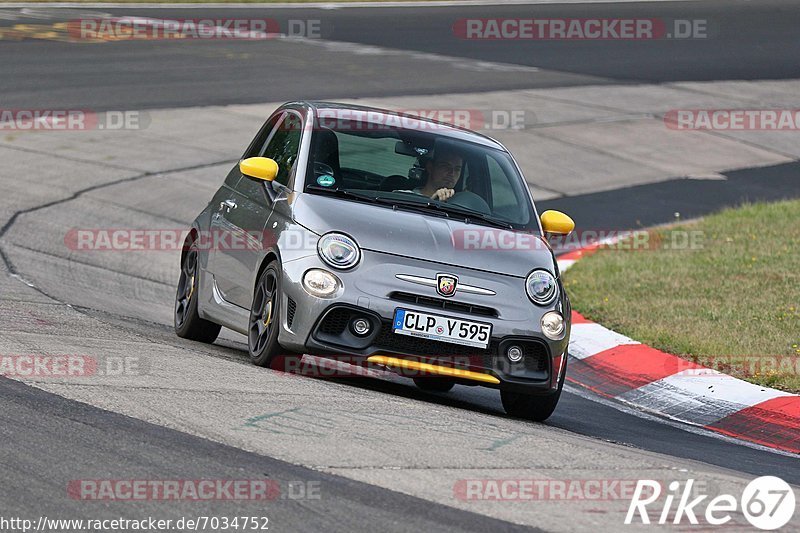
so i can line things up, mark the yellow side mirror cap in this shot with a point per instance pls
(262, 168)
(557, 223)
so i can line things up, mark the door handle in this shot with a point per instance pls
(227, 205)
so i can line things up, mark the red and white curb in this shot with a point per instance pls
(618, 367)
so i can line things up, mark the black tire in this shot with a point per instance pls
(187, 321)
(264, 323)
(532, 407)
(434, 384)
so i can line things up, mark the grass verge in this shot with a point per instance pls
(731, 301)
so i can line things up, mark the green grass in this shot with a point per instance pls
(731, 303)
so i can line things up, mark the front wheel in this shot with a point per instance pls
(532, 407)
(262, 332)
(187, 321)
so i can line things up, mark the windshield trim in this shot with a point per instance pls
(525, 199)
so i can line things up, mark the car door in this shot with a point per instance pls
(226, 204)
(243, 219)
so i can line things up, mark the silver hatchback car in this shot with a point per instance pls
(386, 240)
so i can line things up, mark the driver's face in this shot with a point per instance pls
(444, 172)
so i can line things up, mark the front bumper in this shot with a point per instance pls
(371, 291)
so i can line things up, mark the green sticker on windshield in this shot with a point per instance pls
(326, 180)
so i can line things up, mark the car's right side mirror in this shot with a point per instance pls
(556, 223)
(262, 168)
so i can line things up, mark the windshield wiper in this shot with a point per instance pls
(447, 210)
(469, 214)
(417, 207)
(343, 193)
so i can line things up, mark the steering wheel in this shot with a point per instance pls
(470, 200)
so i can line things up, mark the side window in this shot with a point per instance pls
(476, 178)
(510, 200)
(284, 146)
(502, 192)
(259, 143)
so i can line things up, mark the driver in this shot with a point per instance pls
(443, 172)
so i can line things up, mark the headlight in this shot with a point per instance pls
(541, 287)
(338, 250)
(320, 283)
(553, 325)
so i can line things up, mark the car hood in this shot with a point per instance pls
(431, 238)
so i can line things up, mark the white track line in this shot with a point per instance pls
(636, 411)
(589, 339)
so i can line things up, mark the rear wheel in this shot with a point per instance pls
(262, 333)
(532, 407)
(188, 323)
(434, 384)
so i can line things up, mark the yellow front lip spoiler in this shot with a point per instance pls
(406, 364)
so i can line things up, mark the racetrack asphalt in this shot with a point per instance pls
(401, 51)
(138, 450)
(122, 306)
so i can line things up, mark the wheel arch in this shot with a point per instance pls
(190, 238)
(273, 254)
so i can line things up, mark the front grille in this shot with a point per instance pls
(334, 330)
(291, 308)
(446, 305)
(335, 322)
(535, 356)
(535, 364)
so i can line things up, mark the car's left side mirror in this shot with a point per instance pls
(261, 168)
(556, 223)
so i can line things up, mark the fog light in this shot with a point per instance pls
(514, 354)
(320, 283)
(360, 326)
(553, 325)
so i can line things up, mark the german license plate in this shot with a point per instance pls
(442, 328)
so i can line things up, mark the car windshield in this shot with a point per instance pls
(419, 169)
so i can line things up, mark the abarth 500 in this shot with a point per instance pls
(395, 241)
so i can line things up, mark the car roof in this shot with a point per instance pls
(443, 128)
